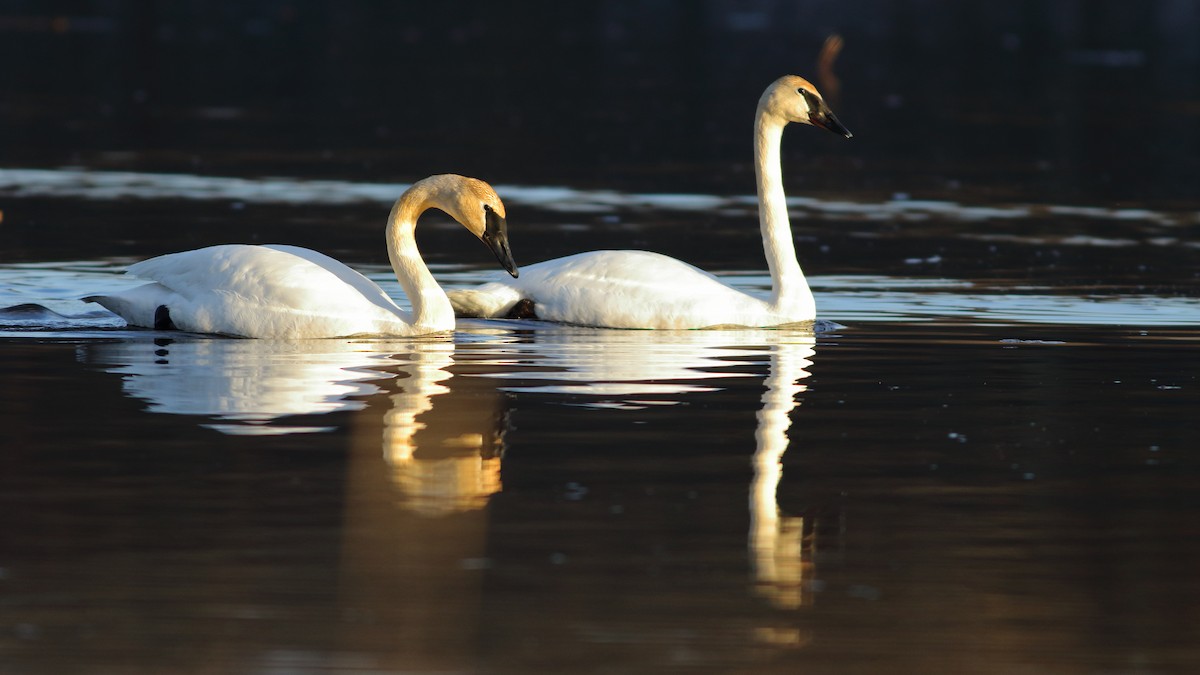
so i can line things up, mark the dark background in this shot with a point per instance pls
(1092, 102)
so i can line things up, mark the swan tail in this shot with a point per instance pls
(138, 306)
(489, 301)
(121, 307)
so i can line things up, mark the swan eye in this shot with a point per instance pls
(810, 99)
(487, 208)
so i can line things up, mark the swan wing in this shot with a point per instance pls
(353, 278)
(618, 289)
(259, 291)
(280, 275)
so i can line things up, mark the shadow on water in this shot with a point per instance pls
(1055, 102)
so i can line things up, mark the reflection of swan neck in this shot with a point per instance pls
(426, 375)
(771, 441)
(454, 475)
(787, 280)
(430, 306)
(782, 385)
(776, 543)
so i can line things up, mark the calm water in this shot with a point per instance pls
(982, 459)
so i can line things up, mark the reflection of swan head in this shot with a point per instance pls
(443, 450)
(442, 458)
(795, 99)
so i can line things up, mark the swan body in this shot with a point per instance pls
(639, 289)
(624, 289)
(281, 291)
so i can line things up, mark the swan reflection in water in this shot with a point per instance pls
(449, 459)
(619, 368)
(413, 529)
(442, 436)
(248, 387)
(437, 462)
(782, 547)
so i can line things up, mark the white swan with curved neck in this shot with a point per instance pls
(639, 289)
(282, 291)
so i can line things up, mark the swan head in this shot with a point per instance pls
(475, 205)
(795, 99)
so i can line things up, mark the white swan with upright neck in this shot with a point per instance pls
(280, 291)
(639, 289)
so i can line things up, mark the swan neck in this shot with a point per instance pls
(431, 308)
(788, 285)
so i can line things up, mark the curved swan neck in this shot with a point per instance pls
(788, 285)
(430, 306)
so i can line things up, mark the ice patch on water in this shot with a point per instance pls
(82, 183)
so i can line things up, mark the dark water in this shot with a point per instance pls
(983, 461)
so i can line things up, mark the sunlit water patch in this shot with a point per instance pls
(853, 299)
(46, 296)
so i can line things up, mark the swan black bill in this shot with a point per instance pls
(495, 235)
(825, 119)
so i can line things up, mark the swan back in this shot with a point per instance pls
(352, 278)
(259, 291)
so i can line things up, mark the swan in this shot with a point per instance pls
(640, 289)
(280, 291)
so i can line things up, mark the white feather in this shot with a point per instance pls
(258, 291)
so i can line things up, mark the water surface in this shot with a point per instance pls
(956, 474)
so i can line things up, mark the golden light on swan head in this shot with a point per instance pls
(792, 98)
(470, 201)
(462, 198)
